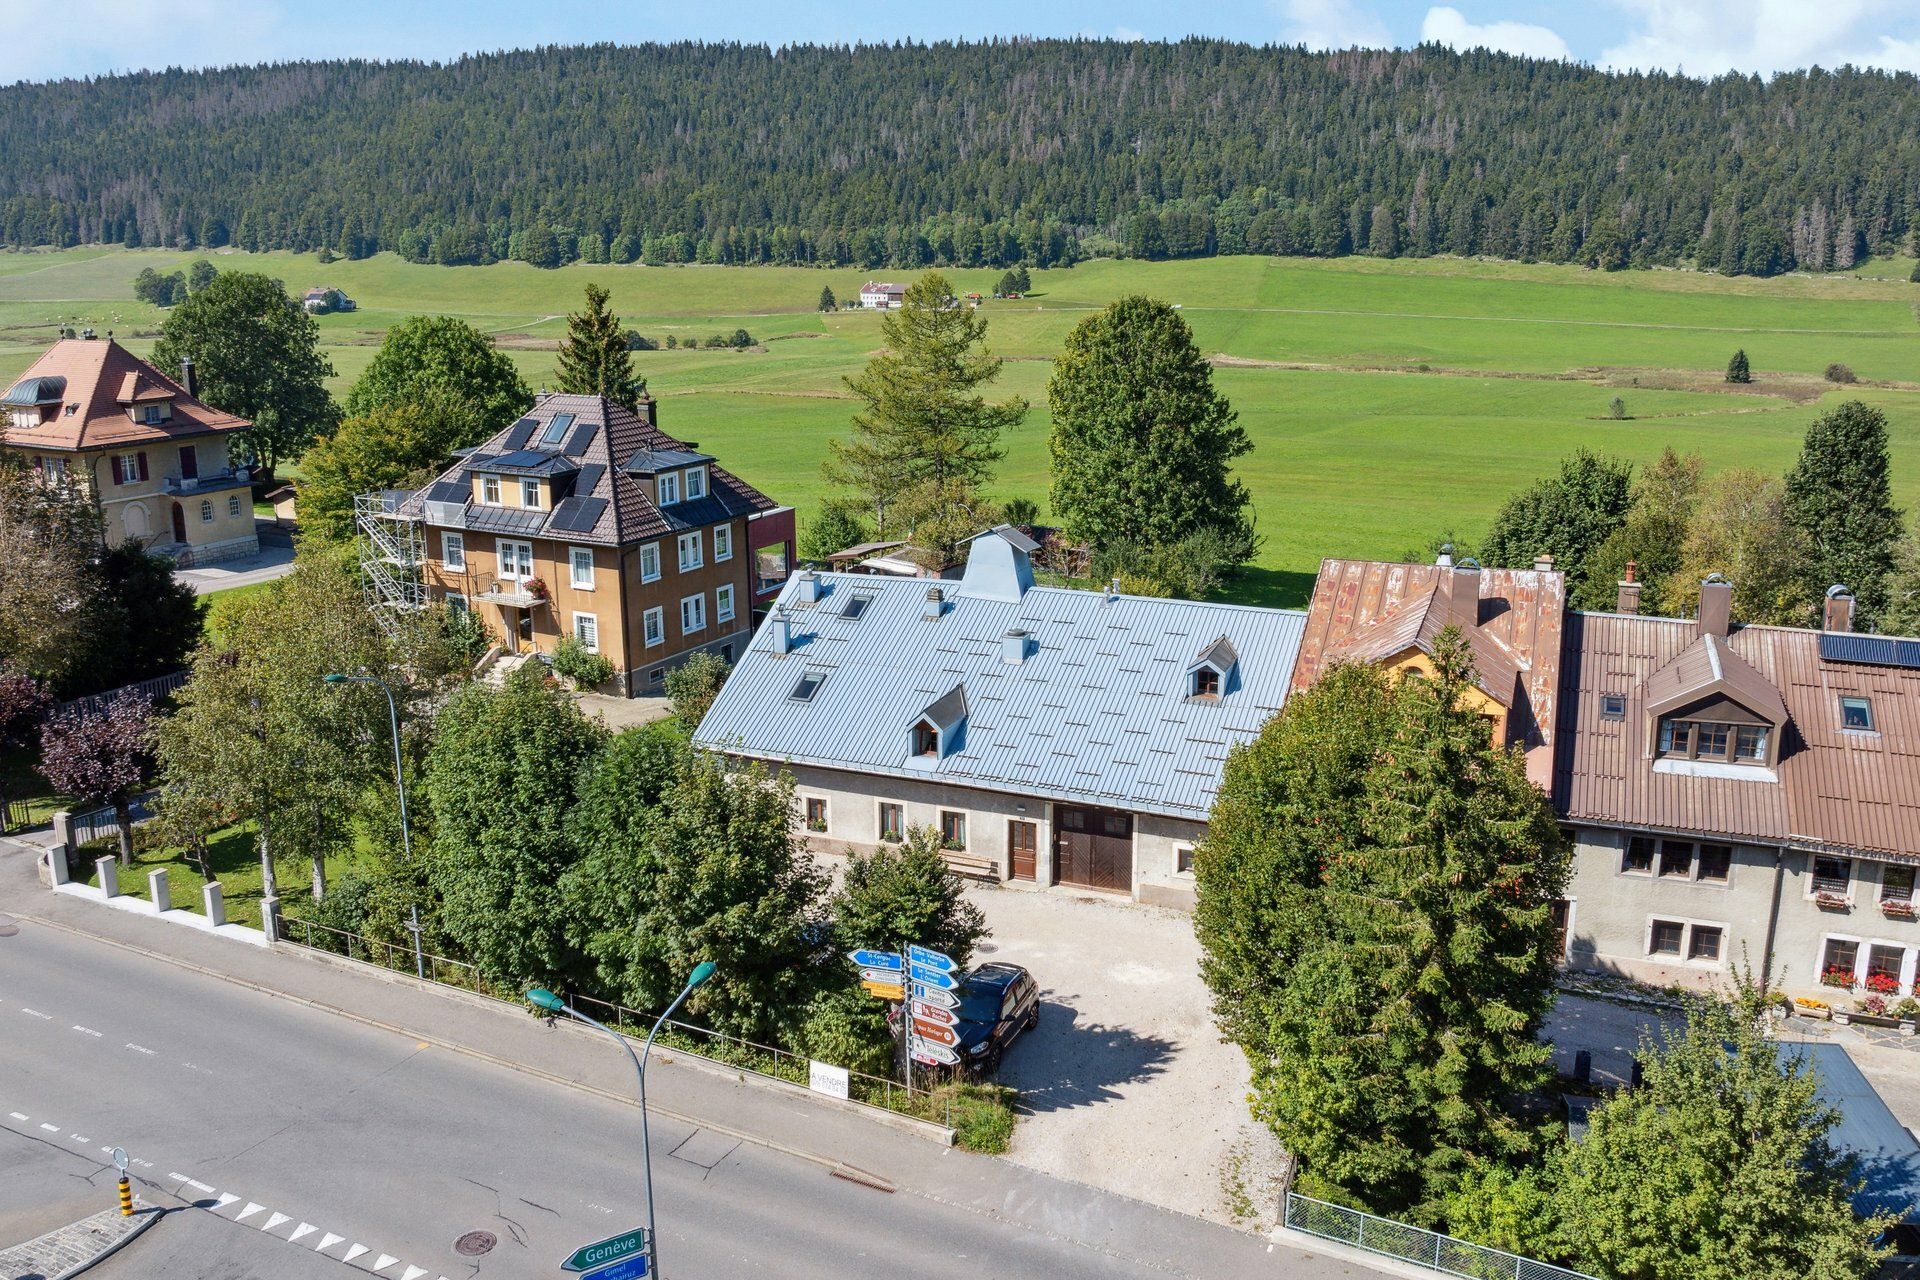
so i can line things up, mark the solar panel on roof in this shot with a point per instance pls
(589, 477)
(1879, 651)
(517, 434)
(582, 437)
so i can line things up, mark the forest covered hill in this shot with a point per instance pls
(971, 154)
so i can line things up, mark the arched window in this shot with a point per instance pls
(206, 512)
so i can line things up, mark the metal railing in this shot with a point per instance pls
(1417, 1245)
(730, 1051)
(156, 688)
(98, 824)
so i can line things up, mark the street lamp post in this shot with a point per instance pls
(393, 721)
(544, 999)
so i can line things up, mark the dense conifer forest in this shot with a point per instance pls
(971, 154)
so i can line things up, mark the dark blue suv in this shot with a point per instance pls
(997, 1002)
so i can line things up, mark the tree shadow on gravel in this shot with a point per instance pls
(1065, 1063)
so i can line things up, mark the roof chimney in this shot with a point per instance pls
(1628, 601)
(807, 588)
(1839, 609)
(1543, 563)
(936, 604)
(1460, 593)
(782, 632)
(1446, 556)
(1013, 648)
(1716, 606)
(186, 376)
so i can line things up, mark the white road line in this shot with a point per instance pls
(248, 1212)
(51, 1128)
(139, 1048)
(16, 1115)
(275, 1221)
(77, 1138)
(201, 1187)
(86, 1030)
(226, 1198)
(304, 1229)
(354, 1252)
(327, 1241)
(413, 1273)
(386, 1260)
(44, 1017)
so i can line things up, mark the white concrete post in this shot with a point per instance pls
(157, 890)
(63, 835)
(270, 918)
(109, 873)
(216, 905)
(56, 858)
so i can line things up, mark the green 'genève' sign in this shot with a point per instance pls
(612, 1249)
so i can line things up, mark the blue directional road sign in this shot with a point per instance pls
(877, 960)
(621, 1248)
(634, 1268)
(932, 959)
(932, 977)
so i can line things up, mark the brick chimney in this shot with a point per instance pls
(1838, 615)
(1459, 589)
(1628, 599)
(1716, 606)
(186, 376)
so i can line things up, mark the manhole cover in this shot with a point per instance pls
(8, 926)
(475, 1243)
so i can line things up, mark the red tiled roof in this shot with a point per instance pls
(1849, 790)
(102, 379)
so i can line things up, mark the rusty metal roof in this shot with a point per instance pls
(1839, 788)
(1358, 606)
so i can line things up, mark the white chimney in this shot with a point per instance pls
(782, 632)
(1013, 648)
(808, 587)
(936, 604)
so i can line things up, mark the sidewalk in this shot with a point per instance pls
(76, 1246)
(815, 1130)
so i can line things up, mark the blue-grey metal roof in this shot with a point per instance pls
(29, 392)
(654, 459)
(1889, 1158)
(525, 462)
(1096, 714)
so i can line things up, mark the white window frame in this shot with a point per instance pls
(206, 511)
(457, 603)
(698, 557)
(723, 603)
(511, 567)
(722, 542)
(573, 568)
(650, 555)
(826, 814)
(666, 488)
(653, 626)
(589, 634)
(699, 603)
(696, 483)
(530, 494)
(126, 468)
(1178, 849)
(1687, 925)
(233, 506)
(490, 490)
(453, 552)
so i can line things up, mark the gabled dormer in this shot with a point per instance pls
(1709, 711)
(1213, 672)
(939, 730)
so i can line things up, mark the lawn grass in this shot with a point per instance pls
(1387, 400)
(234, 858)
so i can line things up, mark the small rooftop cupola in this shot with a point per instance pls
(1837, 613)
(1716, 606)
(998, 565)
(1213, 672)
(938, 731)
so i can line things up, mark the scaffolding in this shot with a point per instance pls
(392, 556)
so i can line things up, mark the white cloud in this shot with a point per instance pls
(1127, 33)
(92, 37)
(1709, 37)
(1333, 24)
(1448, 26)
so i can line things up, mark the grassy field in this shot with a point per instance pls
(1387, 400)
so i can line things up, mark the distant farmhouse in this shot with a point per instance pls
(583, 519)
(882, 296)
(91, 413)
(320, 301)
(1052, 736)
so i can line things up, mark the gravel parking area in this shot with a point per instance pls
(1125, 1083)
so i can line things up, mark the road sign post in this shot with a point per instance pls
(923, 982)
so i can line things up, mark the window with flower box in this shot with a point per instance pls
(1832, 881)
(816, 814)
(1838, 961)
(1883, 969)
(1896, 891)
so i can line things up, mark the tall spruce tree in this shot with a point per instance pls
(925, 440)
(594, 358)
(1375, 914)
(1142, 442)
(1840, 500)
(1738, 370)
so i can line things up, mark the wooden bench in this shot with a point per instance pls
(977, 865)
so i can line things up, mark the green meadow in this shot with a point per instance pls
(1387, 401)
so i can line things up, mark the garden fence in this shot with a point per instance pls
(1421, 1247)
(101, 823)
(14, 816)
(743, 1055)
(94, 703)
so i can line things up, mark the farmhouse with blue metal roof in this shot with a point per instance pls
(1051, 735)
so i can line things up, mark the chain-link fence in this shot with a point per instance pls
(1415, 1244)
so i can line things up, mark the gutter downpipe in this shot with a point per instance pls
(1773, 918)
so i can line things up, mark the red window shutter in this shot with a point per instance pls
(113, 466)
(142, 456)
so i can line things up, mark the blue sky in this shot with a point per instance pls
(40, 41)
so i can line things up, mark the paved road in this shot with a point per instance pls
(274, 1120)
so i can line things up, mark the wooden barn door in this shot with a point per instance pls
(1093, 848)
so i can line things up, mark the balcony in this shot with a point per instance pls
(211, 482)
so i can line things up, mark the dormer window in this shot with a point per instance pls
(153, 414)
(938, 731)
(926, 739)
(556, 430)
(1212, 671)
(490, 490)
(1206, 684)
(696, 483)
(667, 490)
(1856, 714)
(1714, 741)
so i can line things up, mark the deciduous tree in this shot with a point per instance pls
(49, 535)
(255, 354)
(1665, 497)
(1839, 497)
(24, 703)
(426, 358)
(896, 895)
(397, 444)
(102, 756)
(1142, 443)
(693, 685)
(1740, 528)
(594, 359)
(1567, 516)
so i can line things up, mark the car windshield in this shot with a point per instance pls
(980, 1004)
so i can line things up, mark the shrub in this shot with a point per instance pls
(693, 685)
(1504, 1208)
(740, 338)
(587, 670)
(981, 1114)
(349, 899)
(1023, 511)
(1905, 1008)
(1837, 372)
(848, 1028)
(1617, 409)
(637, 341)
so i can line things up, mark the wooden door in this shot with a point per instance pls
(1021, 841)
(179, 523)
(189, 463)
(1093, 848)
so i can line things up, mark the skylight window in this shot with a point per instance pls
(1856, 713)
(855, 607)
(810, 682)
(556, 430)
(1613, 706)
